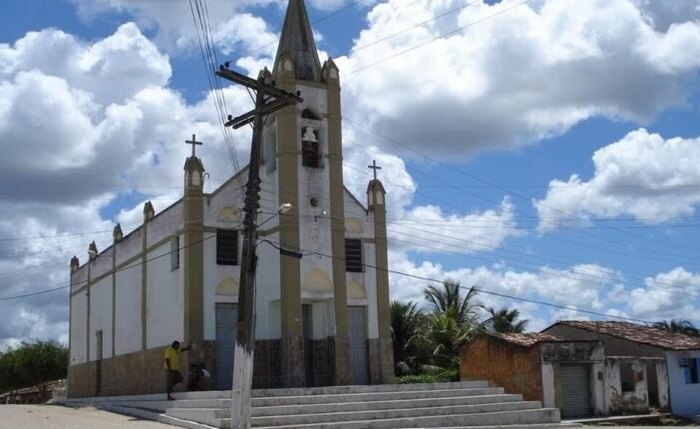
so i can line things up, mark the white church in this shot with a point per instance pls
(320, 320)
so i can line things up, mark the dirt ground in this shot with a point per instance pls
(58, 417)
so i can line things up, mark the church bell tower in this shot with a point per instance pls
(303, 158)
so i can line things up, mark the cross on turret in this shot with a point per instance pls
(375, 168)
(194, 143)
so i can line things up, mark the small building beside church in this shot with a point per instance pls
(542, 367)
(320, 320)
(646, 368)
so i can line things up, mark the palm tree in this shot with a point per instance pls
(452, 322)
(449, 301)
(406, 323)
(505, 321)
(681, 326)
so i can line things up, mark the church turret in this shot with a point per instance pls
(194, 171)
(148, 211)
(117, 234)
(92, 251)
(297, 48)
(376, 203)
(74, 264)
(193, 206)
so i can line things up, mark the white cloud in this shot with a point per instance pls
(587, 287)
(667, 295)
(90, 122)
(583, 286)
(643, 175)
(526, 74)
(427, 229)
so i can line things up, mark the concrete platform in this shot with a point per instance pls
(472, 404)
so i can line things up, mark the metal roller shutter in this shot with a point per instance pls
(575, 382)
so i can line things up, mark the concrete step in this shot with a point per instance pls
(445, 397)
(267, 393)
(374, 396)
(208, 415)
(534, 426)
(345, 406)
(501, 418)
(339, 390)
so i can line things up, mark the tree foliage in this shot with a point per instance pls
(680, 326)
(449, 301)
(429, 342)
(505, 321)
(32, 364)
(407, 335)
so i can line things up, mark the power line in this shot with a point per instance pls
(128, 267)
(485, 245)
(435, 39)
(391, 271)
(507, 191)
(486, 291)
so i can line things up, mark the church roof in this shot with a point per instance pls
(297, 41)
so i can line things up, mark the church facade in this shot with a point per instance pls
(320, 320)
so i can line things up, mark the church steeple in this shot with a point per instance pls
(297, 43)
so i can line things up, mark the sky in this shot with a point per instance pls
(545, 151)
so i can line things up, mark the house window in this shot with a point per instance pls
(353, 255)
(691, 372)
(226, 247)
(627, 377)
(174, 253)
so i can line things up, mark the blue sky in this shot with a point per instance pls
(479, 134)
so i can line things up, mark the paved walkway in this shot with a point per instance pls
(58, 417)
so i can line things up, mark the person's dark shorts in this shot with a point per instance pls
(173, 377)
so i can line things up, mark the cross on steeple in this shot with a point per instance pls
(194, 143)
(375, 168)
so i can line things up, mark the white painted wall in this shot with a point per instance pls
(78, 329)
(78, 279)
(684, 397)
(165, 300)
(600, 407)
(166, 224)
(101, 317)
(662, 381)
(130, 246)
(548, 387)
(102, 264)
(127, 333)
(616, 399)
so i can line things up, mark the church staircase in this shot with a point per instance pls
(470, 404)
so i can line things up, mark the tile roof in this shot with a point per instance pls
(639, 334)
(527, 339)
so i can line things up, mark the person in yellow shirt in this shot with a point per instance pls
(172, 367)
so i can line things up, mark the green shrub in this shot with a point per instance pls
(440, 377)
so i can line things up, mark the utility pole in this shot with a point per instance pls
(268, 100)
